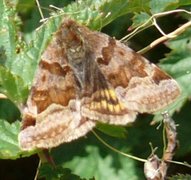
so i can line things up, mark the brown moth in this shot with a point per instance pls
(85, 77)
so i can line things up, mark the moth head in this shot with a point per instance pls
(73, 41)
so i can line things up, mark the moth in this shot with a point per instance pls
(85, 77)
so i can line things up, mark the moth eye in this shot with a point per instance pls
(78, 49)
(72, 50)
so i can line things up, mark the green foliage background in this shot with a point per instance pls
(21, 45)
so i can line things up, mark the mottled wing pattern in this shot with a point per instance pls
(52, 114)
(84, 77)
(137, 84)
(98, 97)
(54, 126)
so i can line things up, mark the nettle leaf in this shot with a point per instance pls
(160, 6)
(102, 167)
(8, 26)
(97, 14)
(53, 173)
(9, 148)
(8, 110)
(166, 5)
(112, 130)
(12, 86)
(139, 19)
(155, 7)
(87, 158)
(8, 140)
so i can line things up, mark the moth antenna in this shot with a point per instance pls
(54, 7)
(40, 11)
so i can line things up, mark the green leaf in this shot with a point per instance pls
(157, 7)
(12, 86)
(184, 2)
(139, 19)
(160, 6)
(8, 110)
(97, 14)
(8, 29)
(112, 130)
(88, 158)
(102, 167)
(166, 5)
(54, 173)
(9, 148)
(25, 6)
(8, 140)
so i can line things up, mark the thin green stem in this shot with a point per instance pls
(116, 150)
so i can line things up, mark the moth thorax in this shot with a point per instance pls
(75, 54)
